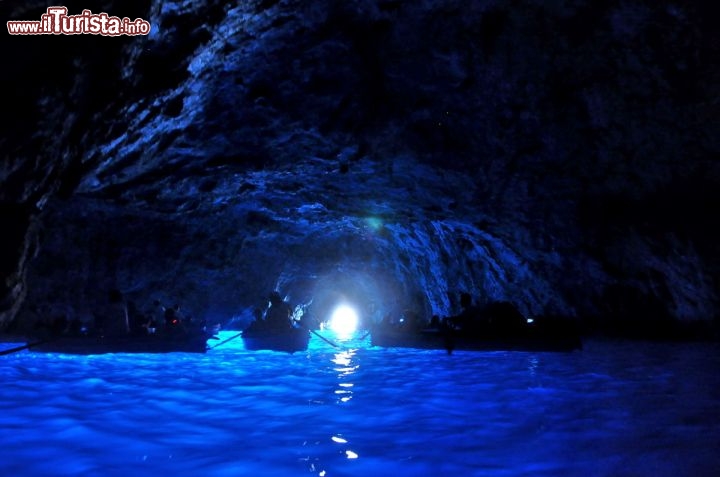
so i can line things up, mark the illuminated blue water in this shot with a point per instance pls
(614, 409)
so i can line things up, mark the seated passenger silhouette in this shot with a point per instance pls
(278, 316)
(471, 318)
(174, 322)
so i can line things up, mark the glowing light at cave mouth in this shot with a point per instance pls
(344, 320)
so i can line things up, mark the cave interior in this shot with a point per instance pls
(557, 155)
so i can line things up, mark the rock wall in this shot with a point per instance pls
(557, 154)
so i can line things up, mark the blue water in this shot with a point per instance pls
(613, 409)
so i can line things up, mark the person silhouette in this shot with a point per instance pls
(470, 317)
(278, 315)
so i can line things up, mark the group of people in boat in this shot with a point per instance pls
(494, 317)
(119, 317)
(277, 316)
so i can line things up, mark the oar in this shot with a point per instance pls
(323, 338)
(449, 340)
(225, 341)
(20, 348)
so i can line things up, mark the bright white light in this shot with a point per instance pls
(344, 320)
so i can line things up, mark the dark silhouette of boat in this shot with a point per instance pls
(528, 339)
(288, 339)
(93, 344)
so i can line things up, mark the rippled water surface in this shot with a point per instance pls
(613, 409)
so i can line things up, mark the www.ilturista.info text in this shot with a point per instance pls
(57, 22)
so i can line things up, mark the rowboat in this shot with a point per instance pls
(288, 339)
(450, 339)
(91, 344)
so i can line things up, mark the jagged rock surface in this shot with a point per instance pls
(560, 155)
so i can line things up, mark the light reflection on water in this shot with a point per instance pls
(345, 370)
(612, 409)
